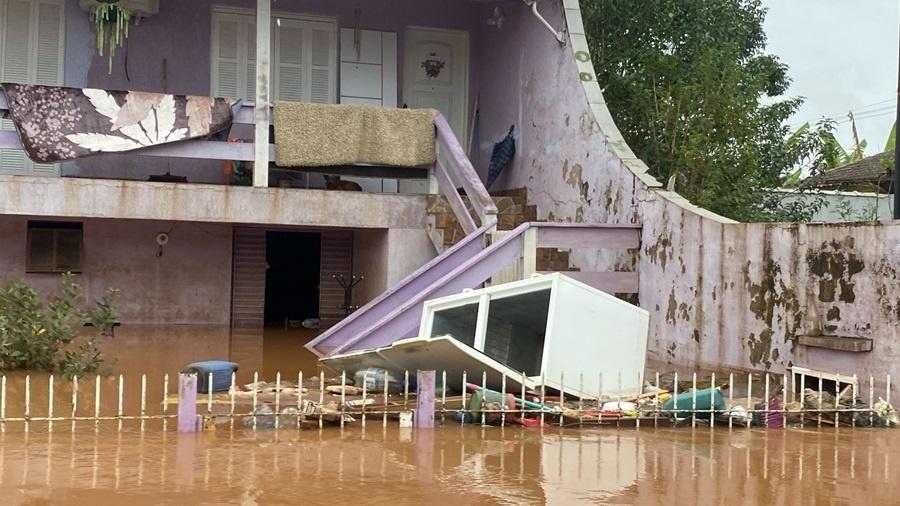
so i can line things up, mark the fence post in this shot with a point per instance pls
(187, 402)
(529, 252)
(425, 384)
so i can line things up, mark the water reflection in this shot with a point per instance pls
(451, 464)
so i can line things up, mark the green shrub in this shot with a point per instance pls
(53, 339)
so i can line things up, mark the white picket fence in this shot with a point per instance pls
(54, 402)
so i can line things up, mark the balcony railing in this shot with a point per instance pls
(452, 167)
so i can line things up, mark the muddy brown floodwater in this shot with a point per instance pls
(452, 465)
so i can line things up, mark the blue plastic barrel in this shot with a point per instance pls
(221, 374)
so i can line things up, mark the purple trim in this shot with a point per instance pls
(404, 320)
(425, 386)
(449, 147)
(609, 236)
(9, 139)
(448, 189)
(187, 402)
(396, 315)
(209, 150)
(407, 288)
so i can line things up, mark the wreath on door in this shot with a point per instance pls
(433, 64)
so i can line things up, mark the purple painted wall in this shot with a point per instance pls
(178, 287)
(173, 309)
(721, 294)
(181, 35)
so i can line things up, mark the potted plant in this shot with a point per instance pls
(111, 22)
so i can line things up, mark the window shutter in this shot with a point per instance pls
(48, 66)
(226, 58)
(290, 60)
(31, 51)
(250, 58)
(304, 58)
(322, 59)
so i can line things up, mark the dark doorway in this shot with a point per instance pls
(292, 277)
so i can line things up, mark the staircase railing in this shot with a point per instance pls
(394, 317)
(405, 289)
(452, 165)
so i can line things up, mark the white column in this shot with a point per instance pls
(261, 111)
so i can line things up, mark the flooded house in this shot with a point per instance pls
(256, 176)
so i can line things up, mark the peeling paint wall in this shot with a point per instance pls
(530, 81)
(721, 294)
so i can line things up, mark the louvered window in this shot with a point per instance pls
(304, 56)
(54, 246)
(32, 46)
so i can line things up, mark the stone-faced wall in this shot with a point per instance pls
(721, 294)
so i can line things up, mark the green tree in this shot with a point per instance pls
(699, 100)
(52, 339)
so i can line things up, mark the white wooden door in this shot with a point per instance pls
(368, 67)
(436, 74)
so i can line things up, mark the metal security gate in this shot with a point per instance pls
(248, 297)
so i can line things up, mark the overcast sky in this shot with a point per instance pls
(842, 56)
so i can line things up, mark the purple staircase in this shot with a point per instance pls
(396, 313)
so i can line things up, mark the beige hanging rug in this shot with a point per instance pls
(315, 135)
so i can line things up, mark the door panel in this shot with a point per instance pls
(436, 70)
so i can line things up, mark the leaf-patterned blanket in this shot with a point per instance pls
(57, 123)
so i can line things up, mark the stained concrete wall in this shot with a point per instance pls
(190, 283)
(720, 293)
(370, 255)
(101, 198)
(173, 308)
(385, 257)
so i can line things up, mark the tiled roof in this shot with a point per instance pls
(872, 169)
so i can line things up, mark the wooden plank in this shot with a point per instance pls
(448, 189)
(592, 237)
(610, 281)
(838, 343)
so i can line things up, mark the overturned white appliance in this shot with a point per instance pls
(552, 328)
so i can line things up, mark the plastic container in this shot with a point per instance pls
(373, 377)
(490, 400)
(220, 369)
(708, 398)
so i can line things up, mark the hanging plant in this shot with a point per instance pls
(111, 22)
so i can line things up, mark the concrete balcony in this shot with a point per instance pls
(104, 198)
